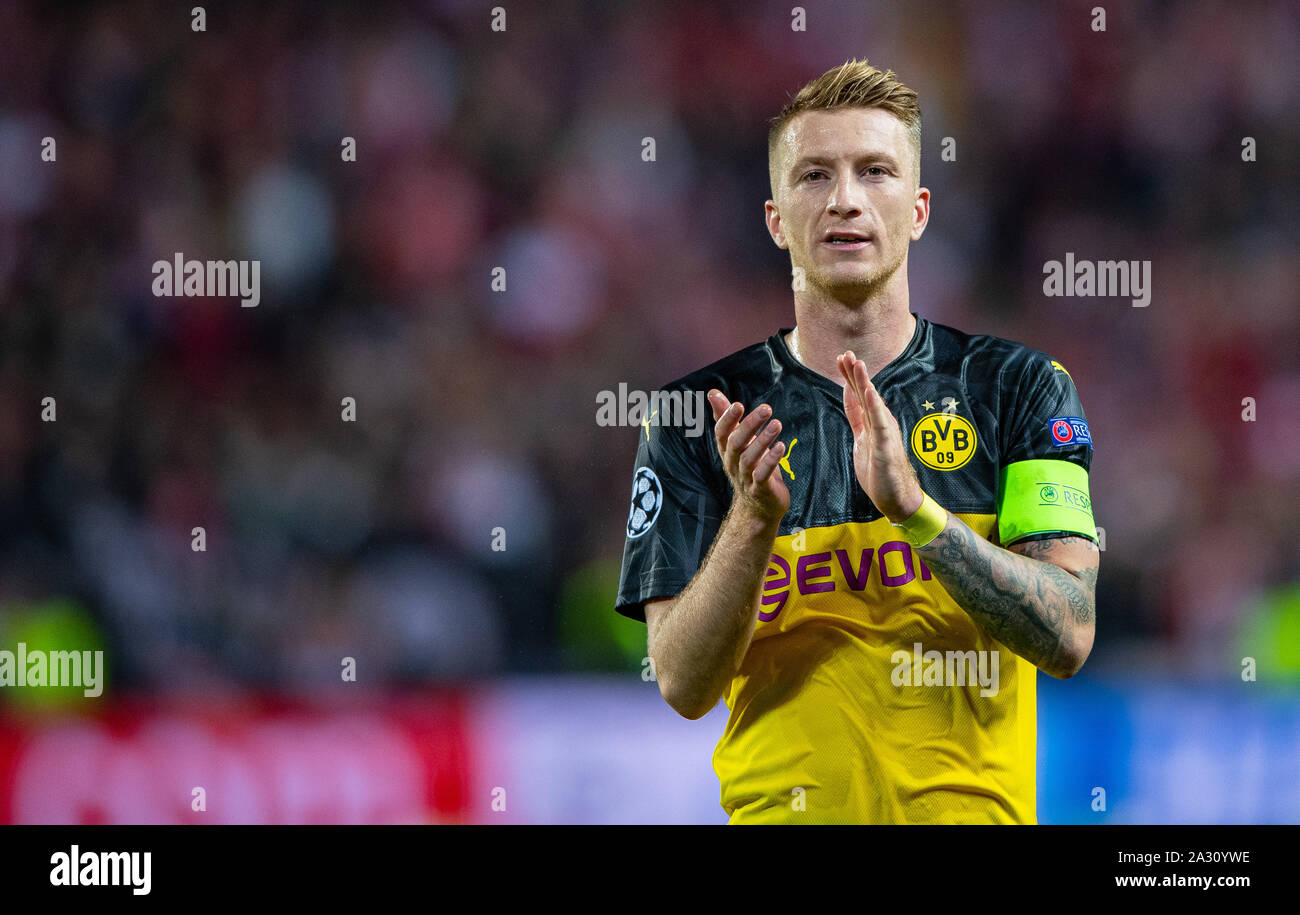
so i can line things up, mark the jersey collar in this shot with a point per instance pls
(793, 366)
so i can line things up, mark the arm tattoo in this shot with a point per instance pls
(1033, 607)
(1081, 612)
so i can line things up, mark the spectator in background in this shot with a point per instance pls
(475, 408)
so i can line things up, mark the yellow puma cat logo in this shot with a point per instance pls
(785, 458)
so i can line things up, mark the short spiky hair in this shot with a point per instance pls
(853, 84)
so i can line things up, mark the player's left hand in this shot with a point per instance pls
(879, 458)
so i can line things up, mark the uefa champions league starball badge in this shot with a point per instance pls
(647, 499)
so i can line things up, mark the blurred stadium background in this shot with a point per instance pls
(481, 670)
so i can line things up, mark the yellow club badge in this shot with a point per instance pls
(944, 441)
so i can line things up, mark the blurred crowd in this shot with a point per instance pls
(469, 521)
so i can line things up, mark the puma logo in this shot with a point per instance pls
(785, 458)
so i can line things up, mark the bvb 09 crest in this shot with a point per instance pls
(943, 441)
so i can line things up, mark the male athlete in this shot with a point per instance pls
(872, 563)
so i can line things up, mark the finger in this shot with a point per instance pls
(740, 437)
(864, 382)
(726, 423)
(761, 443)
(878, 412)
(850, 372)
(852, 407)
(719, 403)
(845, 363)
(770, 460)
(841, 363)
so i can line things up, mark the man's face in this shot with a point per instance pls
(850, 170)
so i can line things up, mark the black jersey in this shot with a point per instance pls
(969, 406)
(998, 436)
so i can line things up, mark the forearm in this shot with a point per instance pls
(1040, 611)
(700, 643)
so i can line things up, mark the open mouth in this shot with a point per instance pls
(847, 241)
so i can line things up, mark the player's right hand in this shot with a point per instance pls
(750, 455)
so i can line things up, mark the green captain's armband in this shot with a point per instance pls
(1043, 495)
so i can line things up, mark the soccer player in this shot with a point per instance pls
(889, 532)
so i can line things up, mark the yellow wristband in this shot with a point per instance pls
(926, 523)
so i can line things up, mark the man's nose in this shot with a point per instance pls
(845, 199)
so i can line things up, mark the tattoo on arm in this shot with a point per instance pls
(1040, 549)
(1033, 607)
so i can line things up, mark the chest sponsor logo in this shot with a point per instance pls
(943, 441)
(841, 570)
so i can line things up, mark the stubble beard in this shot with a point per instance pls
(861, 288)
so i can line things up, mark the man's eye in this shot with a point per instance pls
(810, 174)
(875, 169)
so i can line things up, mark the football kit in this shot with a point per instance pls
(867, 694)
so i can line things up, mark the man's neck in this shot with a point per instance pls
(877, 332)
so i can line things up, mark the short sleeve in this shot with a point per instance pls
(1046, 455)
(675, 512)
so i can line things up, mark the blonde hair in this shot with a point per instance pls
(853, 84)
